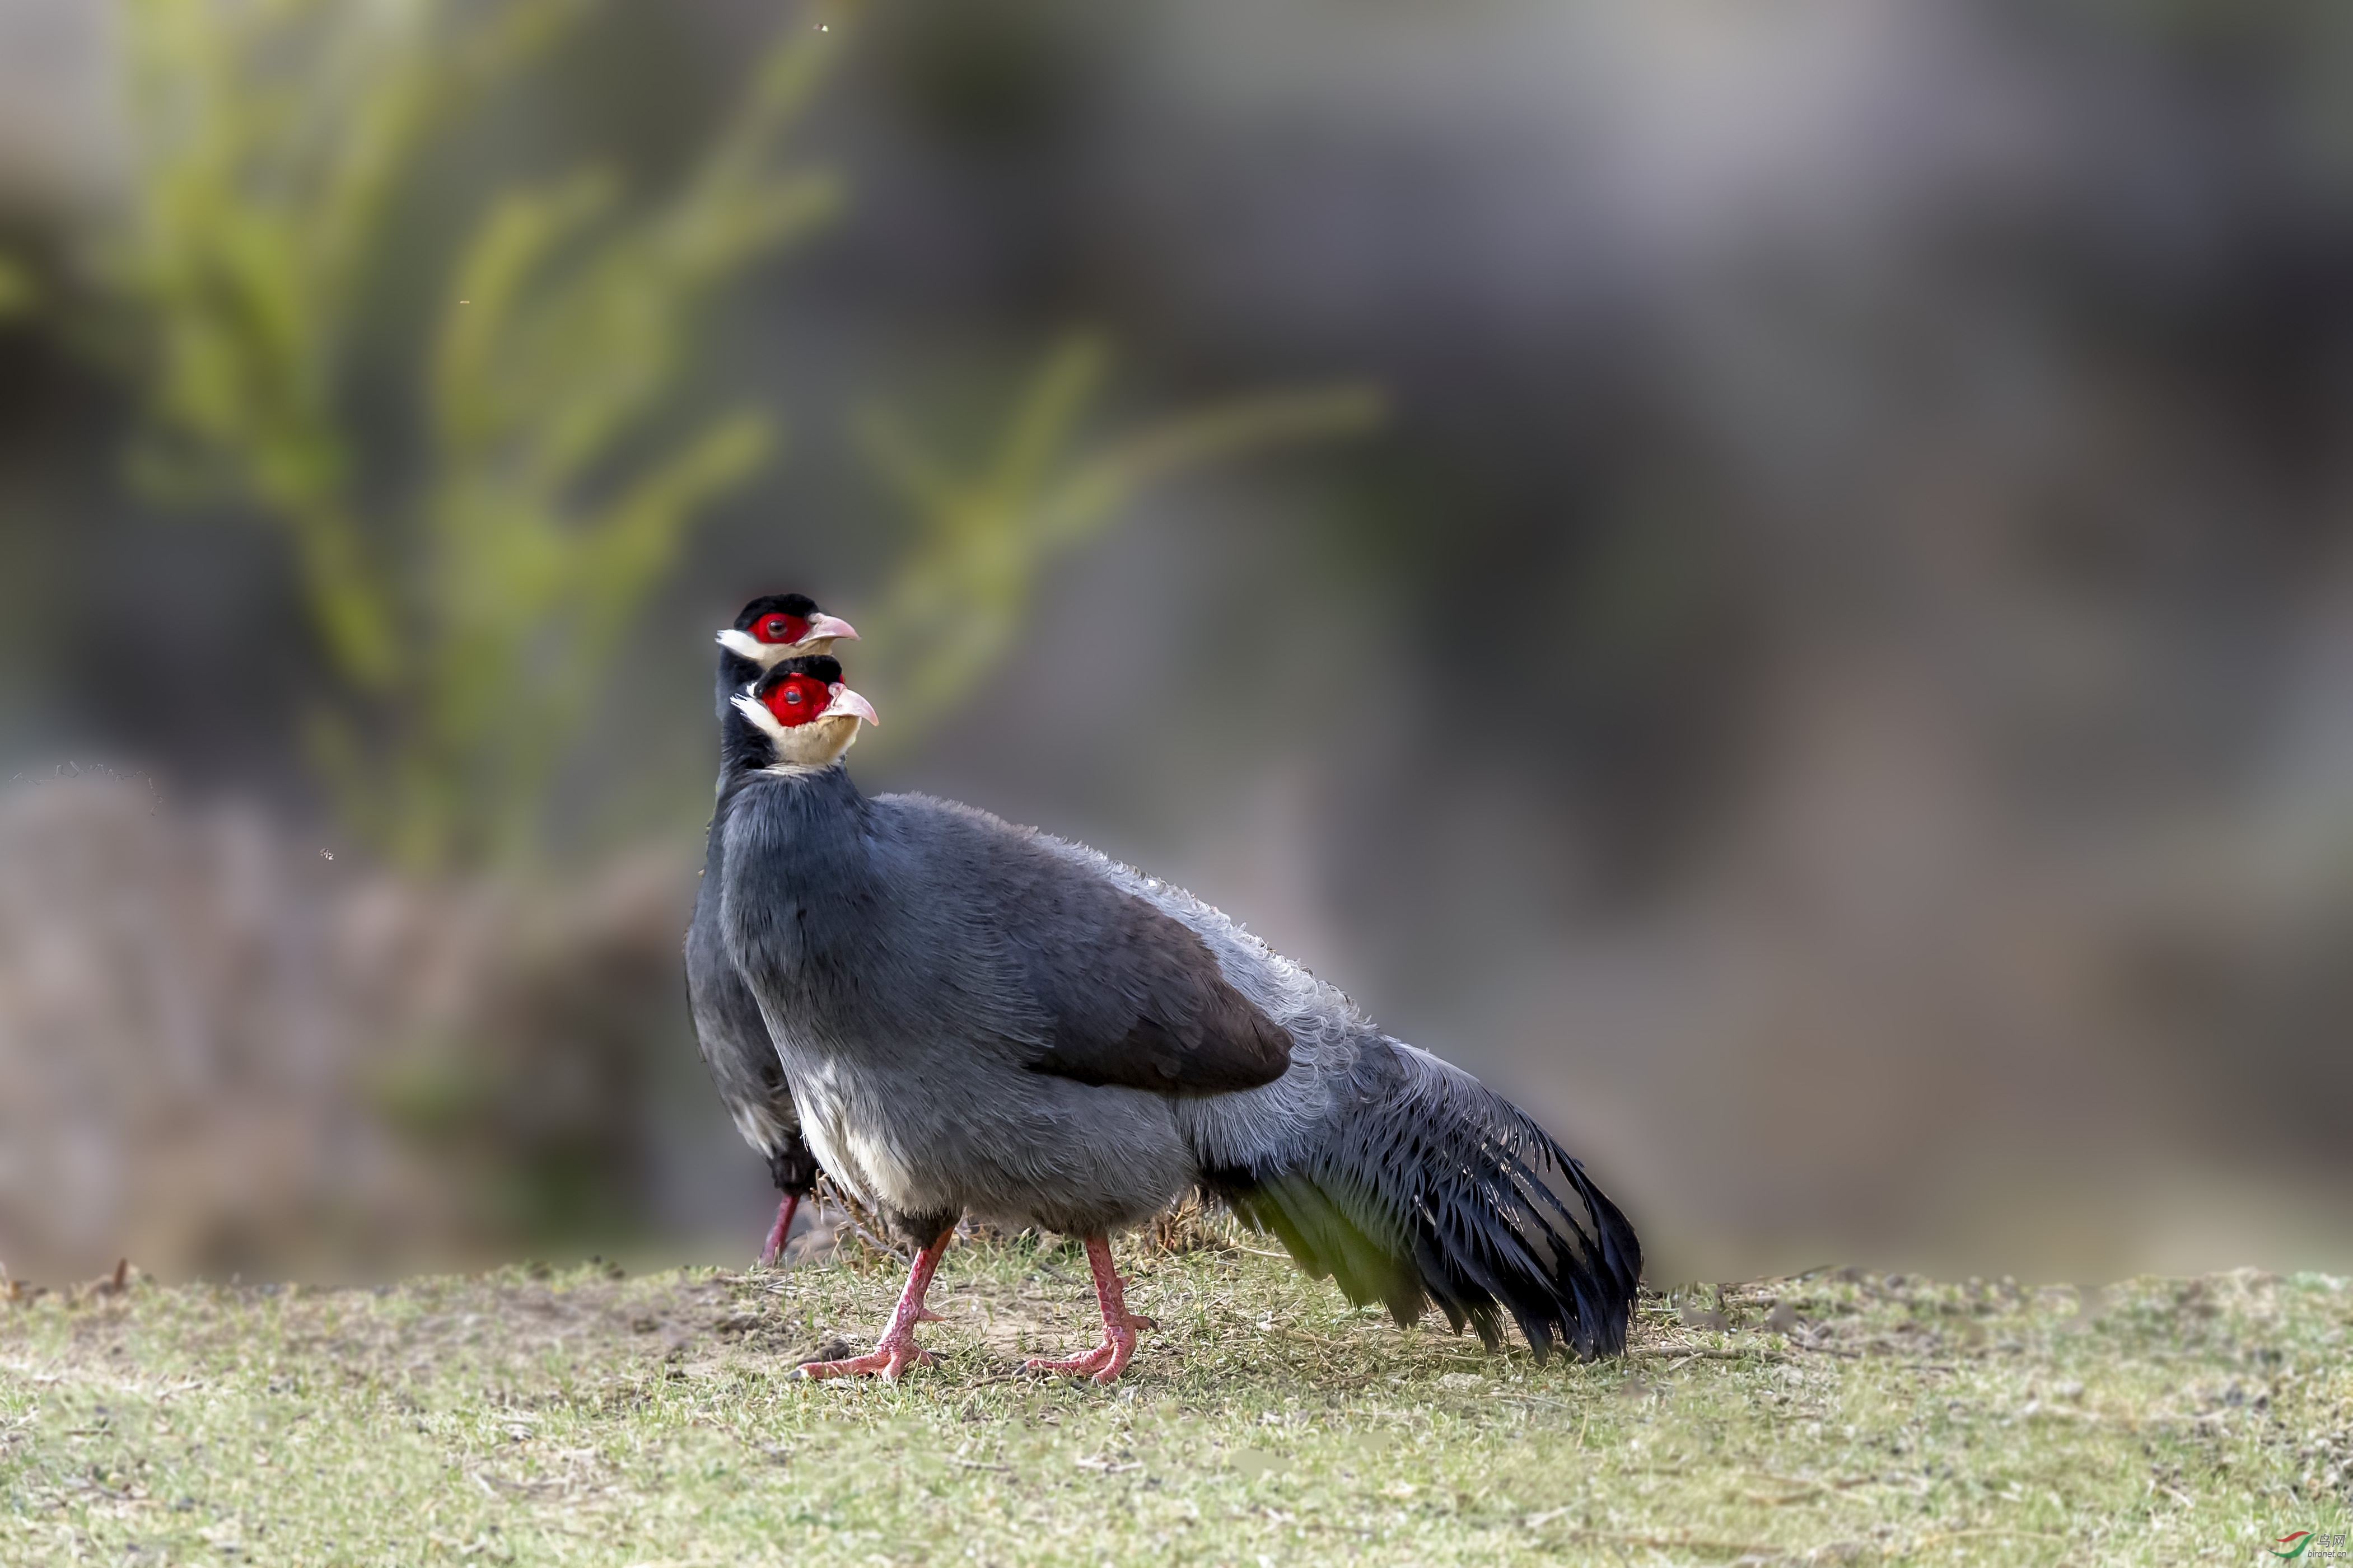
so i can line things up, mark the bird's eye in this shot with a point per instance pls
(781, 629)
(794, 699)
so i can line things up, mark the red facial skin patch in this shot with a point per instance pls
(780, 629)
(797, 699)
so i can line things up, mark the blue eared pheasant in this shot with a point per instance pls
(978, 1018)
(727, 1024)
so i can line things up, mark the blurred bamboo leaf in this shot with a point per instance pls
(464, 621)
(18, 293)
(269, 140)
(984, 538)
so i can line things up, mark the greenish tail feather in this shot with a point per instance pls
(1328, 1243)
(1433, 1188)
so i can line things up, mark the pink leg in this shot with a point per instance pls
(1103, 1363)
(896, 1351)
(783, 1228)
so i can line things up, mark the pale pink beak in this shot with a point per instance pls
(845, 701)
(825, 626)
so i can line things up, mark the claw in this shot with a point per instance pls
(1105, 1362)
(896, 1351)
(888, 1360)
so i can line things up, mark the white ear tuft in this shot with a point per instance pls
(754, 709)
(744, 645)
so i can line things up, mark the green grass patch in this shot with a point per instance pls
(582, 1418)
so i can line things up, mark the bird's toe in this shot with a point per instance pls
(1118, 1345)
(1104, 1363)
(886, 1360)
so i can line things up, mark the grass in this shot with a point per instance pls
(583, 1418)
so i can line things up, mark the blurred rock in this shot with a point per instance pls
(221, 1051)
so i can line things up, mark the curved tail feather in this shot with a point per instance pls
(1430, 1187)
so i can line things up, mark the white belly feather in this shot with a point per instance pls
(854, 1149)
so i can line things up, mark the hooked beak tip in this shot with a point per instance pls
(846, 702)
(825, 626)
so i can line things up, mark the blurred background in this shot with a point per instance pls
(1773, 579)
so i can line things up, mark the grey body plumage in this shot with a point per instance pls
(734, 1040)
(981, 1017)
(728, 1028)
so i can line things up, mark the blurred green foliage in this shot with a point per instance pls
(17, 294)
(465, 619)
(984, 529)
(471, 581)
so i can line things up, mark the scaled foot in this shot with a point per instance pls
(894, 1354)
(896, 1351)
(1105, 1362)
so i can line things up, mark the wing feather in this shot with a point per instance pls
(1126, 994)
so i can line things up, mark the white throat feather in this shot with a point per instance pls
(768, 655)
(800, 748)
